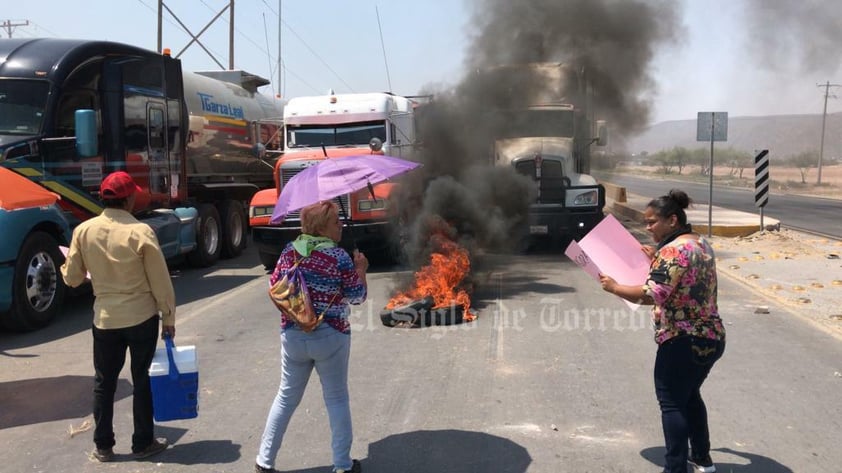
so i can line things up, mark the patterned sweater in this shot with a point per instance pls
(330, 275)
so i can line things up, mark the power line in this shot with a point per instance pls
(195, 37)
(26, 34)
(173, 23)
(273, 57)
(45, 29)
(257, 45)
(223, 19)
(383, 47)
(147, 6)
(266, 35)
(306, 45)
(827, 85)
(8, 25)
(269, 7)
(351, 89)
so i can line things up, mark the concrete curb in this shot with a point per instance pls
(726, 223)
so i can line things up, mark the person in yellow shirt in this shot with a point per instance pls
(133, 291)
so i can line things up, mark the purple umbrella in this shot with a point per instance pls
(333, 177)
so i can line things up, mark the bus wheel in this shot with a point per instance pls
(233, 228)
(208, 239)
(38, 289)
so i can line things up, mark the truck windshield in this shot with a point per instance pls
(532, 123)
(347, 134)
(22, 105)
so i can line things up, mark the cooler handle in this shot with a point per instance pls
(173, 369)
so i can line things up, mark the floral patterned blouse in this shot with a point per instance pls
(682, 282)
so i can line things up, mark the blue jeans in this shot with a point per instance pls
(681, 366)
(327, 350)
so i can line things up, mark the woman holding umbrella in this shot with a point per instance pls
(335, 281)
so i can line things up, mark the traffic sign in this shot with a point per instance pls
(712, 126)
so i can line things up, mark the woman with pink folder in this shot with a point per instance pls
(682, 288)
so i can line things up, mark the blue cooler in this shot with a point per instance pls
(174, 375)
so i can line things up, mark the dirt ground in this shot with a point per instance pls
(804, 272)
(801, 270)
(784, 180)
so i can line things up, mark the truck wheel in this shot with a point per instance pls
(268, 260)
(38, 289)
(208, 238)
(233, 228)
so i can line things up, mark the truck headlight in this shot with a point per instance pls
(260, 210)
(588, 198)
(371, 205)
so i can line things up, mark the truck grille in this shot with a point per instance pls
(287, 174)
(551, 184)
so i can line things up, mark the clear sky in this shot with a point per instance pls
(739, 56)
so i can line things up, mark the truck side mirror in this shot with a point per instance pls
(601, 133)
(258, 150)
(86, 139)
(254, 131)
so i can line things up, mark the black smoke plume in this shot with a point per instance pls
(607, 47)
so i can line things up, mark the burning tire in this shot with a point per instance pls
(447, 315)
(421, 313)
(408, 315)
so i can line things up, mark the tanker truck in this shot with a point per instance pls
(200, 145)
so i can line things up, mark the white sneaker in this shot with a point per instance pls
(702, 465)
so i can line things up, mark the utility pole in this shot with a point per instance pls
(160, 26)
(280, 64)
(8, 25)
(231, 36)
(827, 85)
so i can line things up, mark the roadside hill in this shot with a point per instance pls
(782, 135)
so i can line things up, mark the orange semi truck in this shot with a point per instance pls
(333, 126)
(71, 111)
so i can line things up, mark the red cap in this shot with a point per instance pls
(118, 185)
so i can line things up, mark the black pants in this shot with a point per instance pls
(109, 358)
(681, 366)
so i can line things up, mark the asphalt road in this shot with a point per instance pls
(815, 214)
(554, 376)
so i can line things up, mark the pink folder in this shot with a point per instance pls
(611, 250)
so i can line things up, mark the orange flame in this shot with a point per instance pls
(449, 264)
